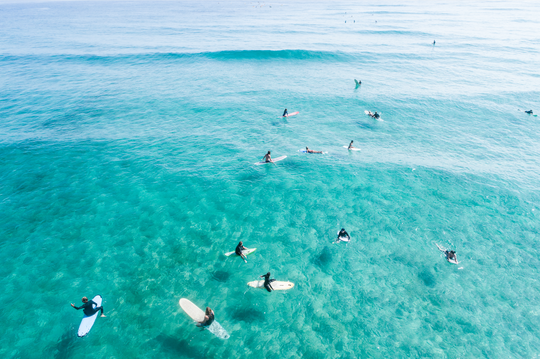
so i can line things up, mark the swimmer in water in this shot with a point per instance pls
(88, 308)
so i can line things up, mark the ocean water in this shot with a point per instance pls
(128, 137)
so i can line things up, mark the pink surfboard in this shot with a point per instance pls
(292, 114)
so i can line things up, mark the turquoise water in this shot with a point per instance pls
(128, 136)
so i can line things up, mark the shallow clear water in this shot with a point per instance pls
(128, 136)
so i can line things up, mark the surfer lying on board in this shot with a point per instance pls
(343, 233)
(267, 157)
(267, 281)
(311, 151)
(285, 113)
(208, 318)
(89, 310)
(239, 248)
(530, 112)
(350, 145)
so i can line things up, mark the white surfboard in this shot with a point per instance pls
(245, 252)
(273, 159)
(197, 314)
(378, 119)
(277, 285)
(442, 249)
(316, 153)
(88, 321)
(342, 239)
(351, 149)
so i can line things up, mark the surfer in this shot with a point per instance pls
(342, 234)
(267, 157)
(89, 310)
(530, 112)
(451, 256)
(285, 113)
(433, 42)
(267, 282)
(376, 115)
(350, 145)
(311, 151)
(208, 318)
(239, 248)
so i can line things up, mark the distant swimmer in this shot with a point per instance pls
(351, 146)
(285, 113)
(239, 248)
(267, 157)
(208, 318)
(88, 308)
(342, 235)
(267, 281)
(358, 83)
(433, 42)
(311, 151)
(530, 112)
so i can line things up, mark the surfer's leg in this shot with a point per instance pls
(267, 286)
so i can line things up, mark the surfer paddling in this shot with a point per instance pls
(267, 281)
(342, 235)
(208, 318)
(311, 151)
(451, 256)
(267, 158)
(239, 248)
(89, 310)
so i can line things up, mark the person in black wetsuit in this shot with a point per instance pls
(239, 248)
(341, 234)
(285, 113)
(530, 112)
(208, 318)
(267, 281)
(376, 115)
(451, 255)
(88, 308)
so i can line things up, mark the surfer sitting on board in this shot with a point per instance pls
(267, 282)
(89, 310)
(350, 145)
(239, 248)
(267, 157)
(311, 151)
(451, 256)
(342, 234)
(208, 318)
(285, 113)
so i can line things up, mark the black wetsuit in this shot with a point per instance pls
(210, 320)
(529, 112)
(239, 249)
(285, 113)
(88, 309)
(343, 234)
(267, 282)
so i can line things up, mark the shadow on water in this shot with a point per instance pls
(248, 315)
(65, 345)
(324, 258)
(427, 278)
(221, 276)
(366, 125)
(179, 347)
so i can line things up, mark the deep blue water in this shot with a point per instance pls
(128, 137)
